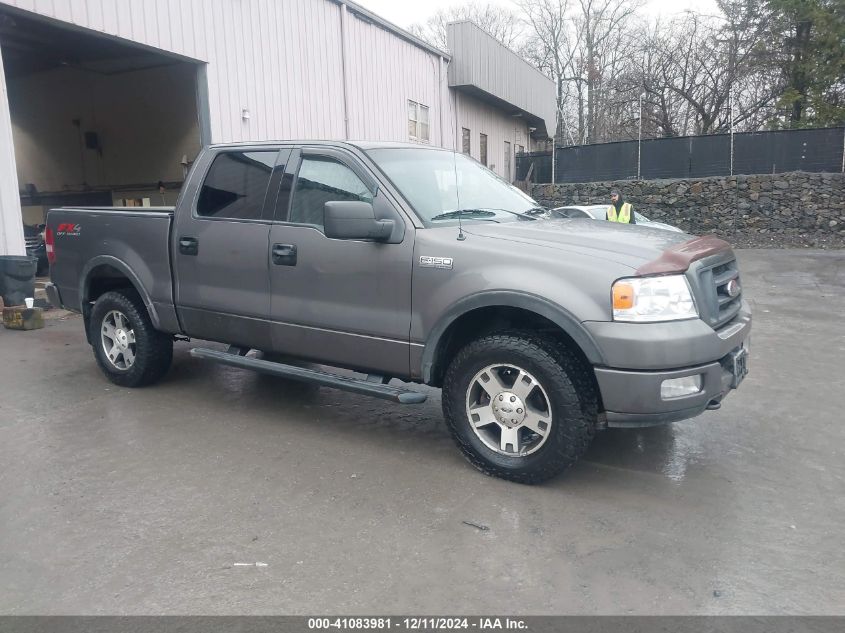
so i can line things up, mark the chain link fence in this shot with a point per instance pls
(813, 150)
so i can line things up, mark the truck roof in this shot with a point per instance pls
(363, 145)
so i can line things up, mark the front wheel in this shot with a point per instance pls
(128, 349)
(520, 407)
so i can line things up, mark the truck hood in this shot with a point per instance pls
(646, 250)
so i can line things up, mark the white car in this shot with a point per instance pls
(599, 212)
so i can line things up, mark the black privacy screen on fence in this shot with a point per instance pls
(817, 150)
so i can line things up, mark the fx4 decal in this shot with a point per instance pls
(68, 230)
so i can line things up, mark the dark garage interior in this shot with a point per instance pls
(95, 121)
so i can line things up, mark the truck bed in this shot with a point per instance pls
(132, 240)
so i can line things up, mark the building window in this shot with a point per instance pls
(482, 148)
(465, 141)
(417, 121)
(520, 149)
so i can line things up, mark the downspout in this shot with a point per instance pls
(458, 139)
(343, 56)
(440, 97)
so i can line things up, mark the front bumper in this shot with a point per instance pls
(632, 396)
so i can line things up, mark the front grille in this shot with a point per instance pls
(32, 242)
(718, 306)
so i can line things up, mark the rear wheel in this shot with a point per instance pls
(520, 407)
(128, 349)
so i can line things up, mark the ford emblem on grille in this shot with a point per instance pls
(733, 288)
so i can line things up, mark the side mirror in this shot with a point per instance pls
(354, 220)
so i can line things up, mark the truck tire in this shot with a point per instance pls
(520, 407)
(128, 349)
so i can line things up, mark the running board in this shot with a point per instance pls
(344, 383)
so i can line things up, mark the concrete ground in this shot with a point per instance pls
(143, 501)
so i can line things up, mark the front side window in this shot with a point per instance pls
(418, 129)
(482, 145)
(323, 180)
(235, 185)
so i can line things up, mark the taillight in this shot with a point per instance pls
(50, 242)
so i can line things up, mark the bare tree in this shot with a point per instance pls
(550, 47)
(693, 74)
(716, 66)
(602, 24)
(584, 45)
(501, 23)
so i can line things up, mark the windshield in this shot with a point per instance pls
(444, 186)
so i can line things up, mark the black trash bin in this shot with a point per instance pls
(17, 278)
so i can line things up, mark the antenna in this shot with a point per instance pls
(461, 236)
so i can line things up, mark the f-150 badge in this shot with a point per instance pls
(436, 262)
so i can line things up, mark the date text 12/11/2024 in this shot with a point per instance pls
(417, 623)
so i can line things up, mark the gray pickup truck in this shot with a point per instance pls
(413, 263)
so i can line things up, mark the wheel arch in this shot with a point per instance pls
(105, 273)
(491, 311)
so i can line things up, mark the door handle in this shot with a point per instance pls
(284, 254)
(189, 245)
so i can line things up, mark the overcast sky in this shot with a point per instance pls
(404, 13)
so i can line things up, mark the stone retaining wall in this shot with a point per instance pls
(794, 209)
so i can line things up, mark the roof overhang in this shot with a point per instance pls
(488, 70)
(536, 124)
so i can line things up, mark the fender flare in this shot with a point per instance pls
(561, 317)
(120, 265)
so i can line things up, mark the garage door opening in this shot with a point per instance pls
(95, 121)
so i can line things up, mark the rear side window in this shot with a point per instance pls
(323, 180)
(235, 185)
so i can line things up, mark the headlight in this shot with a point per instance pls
(648, 299)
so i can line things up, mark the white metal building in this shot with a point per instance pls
(109, 101)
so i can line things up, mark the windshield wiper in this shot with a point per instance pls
(535, 212)
(475, 214)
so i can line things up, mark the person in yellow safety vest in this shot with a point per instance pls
(619, 210)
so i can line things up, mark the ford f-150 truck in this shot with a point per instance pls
(413, 263)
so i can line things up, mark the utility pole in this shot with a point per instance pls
(843, 151)
(557, 124)
(640, 137)
(731, 108)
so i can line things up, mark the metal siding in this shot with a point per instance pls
(283, 61)
(79, 13)
(61, 11)
(482, 118)
(481, 61)
(123, 26)
(385, 72)
(44, 7)
(95, 15)
(110, 11)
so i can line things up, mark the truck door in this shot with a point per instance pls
(339, 302)
(220, 247)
